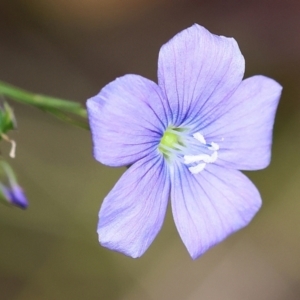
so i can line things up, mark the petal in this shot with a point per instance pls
(211, 205)
(133, 212)
(196, 66)
(126, 119)
(244, 126)
(17, 197)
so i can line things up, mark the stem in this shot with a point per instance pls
(41, 101)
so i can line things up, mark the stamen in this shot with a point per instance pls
(214, 146)
(199, 137)
(12, 152)
(179, 131)
(165, 149)
(189, 159)
(214, 157)
(197, 169)
(198, 162)
(191, 150)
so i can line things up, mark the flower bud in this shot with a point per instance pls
(10, 191)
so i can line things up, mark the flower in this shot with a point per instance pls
(10, 191)
(185, 138)
(14, 196)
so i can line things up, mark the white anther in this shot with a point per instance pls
(197, 169)
(214, 146)
(199, 137)
(198, 162)
(213, 157)
(189, 159)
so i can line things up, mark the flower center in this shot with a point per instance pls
(170, 142)
(177, 144)
(169, 139)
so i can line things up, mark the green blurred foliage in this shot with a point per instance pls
(7, 119)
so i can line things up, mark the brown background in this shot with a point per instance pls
(70, 49)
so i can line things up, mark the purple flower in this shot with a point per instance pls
(10, 190)
(184, 138)
(15, 196)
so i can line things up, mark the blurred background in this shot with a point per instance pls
(71, 49)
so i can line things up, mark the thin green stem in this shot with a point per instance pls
(42, 101)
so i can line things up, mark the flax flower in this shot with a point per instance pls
(185, 138)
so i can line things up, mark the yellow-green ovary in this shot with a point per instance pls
(168, 141)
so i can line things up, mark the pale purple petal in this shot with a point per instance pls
(17, 197)
(127, 119)
(197, 70)
(133, 212)
(244, 125)
(211, 205)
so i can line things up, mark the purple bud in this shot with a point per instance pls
(10, 190)
(16, 196)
